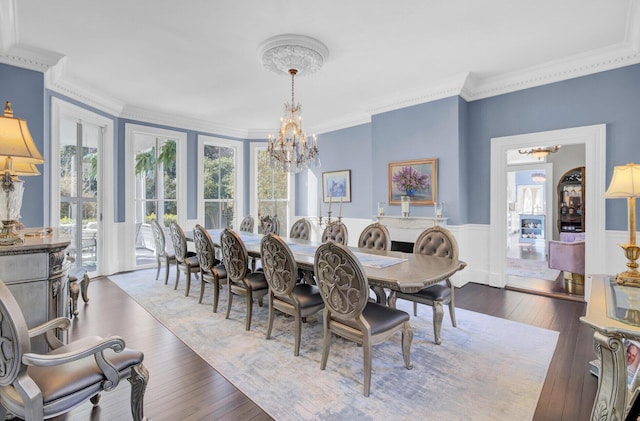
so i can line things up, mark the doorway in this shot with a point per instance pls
(594, 140)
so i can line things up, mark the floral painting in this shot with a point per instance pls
(417, 179)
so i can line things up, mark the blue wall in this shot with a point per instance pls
(454, 131)
(611, 97)
(25, 90)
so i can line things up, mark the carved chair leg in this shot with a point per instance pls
(159, 265)
(229, 301)
(188, 275)
(166, 270)
(139, 379)
(177, 277)
(84, 287)
(326, 343)
(95, 400)
(366, 346)
(298, 333)
(271, 317)
(415, 309)
(249, 309)
(438, 315)
(407, 339)
(216, 293)
(452, 308)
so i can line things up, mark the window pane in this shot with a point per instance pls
(167, 162)
(91, 136)
(68, 163)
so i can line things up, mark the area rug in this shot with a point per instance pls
(485, 369)
(538, 269)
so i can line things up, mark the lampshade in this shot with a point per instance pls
(16, 141)
(18, 168)
(625, 182)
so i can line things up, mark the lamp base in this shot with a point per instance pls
(630, 277)
(8, 236)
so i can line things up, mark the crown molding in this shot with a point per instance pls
(189, 123)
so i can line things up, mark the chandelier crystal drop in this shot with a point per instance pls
(291, 151)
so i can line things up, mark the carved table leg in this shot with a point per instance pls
(74, 292)
(84, 287)
(610, 402)
(381, 297)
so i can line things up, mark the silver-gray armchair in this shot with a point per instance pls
(38, 386)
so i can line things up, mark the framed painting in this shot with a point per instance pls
(336, 186)
(417, 179)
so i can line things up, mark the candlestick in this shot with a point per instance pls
(340, 211)
(330, 200)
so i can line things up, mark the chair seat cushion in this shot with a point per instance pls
(437, 292)
(257, 281)
(381, 318)
(308, 296)
(221, 270)
(192, 261)
(62, 380)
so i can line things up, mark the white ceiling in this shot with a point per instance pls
(195, 61)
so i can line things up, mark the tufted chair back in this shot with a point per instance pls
(247, 224)
(336, 231)
(375, 236)
(437, 241)
(301, 229)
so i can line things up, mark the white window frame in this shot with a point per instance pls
(255, 147)
(131, 130)
(238, 188)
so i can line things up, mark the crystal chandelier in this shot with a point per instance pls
(291, 151)
(299, 55)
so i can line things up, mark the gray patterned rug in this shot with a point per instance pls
(486, 369)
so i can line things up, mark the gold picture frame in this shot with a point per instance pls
(422, 172)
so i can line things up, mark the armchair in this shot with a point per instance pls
(38, 386)
(568, 257)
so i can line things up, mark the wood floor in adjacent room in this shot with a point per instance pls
(183, 386)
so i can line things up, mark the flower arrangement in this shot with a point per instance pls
(408, 179)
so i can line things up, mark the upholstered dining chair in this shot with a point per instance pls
(434, 241)
(376, 237)
(34, 386)
(270, 224)
(211, 270)
(252, 286)
(349, 313)
(301, 229)
(285, 294)
(186, 261)
(247, 224)
(162, 254)
(336, 231)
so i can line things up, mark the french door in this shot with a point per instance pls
(79, 190)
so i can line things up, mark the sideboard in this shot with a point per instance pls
(36, 274)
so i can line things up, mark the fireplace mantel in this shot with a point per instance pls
(407, 229)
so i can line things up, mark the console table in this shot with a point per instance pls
(35, 272)
(614, 313)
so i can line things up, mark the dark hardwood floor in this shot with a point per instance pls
(184, 387)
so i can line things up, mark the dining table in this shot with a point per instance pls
(385, 269)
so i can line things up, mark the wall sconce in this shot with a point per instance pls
(625, 183)
(18, 156)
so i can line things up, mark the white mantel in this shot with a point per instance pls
(408, 228)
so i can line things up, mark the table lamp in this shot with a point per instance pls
(18, 156)
(625, 183)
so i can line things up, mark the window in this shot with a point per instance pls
(220, 182)
(271, 189)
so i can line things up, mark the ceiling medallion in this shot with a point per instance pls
(285, 52)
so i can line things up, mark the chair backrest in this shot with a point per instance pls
(342, 282)
(234, 255)
(247, 224)
(179, 241)
(336, 231)
(204, 248)
(158, 238)
(15, 337)
(279, 265)
(375, 236)
(437, 241)
(270, 225)
(301, 229)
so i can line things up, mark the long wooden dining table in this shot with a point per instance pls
(393, 270)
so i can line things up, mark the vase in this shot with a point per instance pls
(410, 192)
(405, 202)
